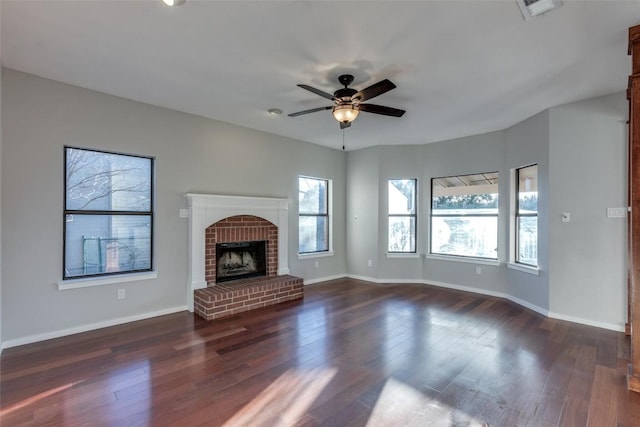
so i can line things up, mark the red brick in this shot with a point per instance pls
(236, 305)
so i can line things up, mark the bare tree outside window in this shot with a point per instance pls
(108, 213)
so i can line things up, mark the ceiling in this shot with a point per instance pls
(461, 67)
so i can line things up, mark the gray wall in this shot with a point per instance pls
(580, 150)
(587, 175)
(470, 155)
(363, 200)
(0, 197)
(192, 154)
(528, 143)
(405, 162)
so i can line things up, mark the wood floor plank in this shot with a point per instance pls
(352, 353)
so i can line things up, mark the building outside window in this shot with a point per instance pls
(464, 215)
(108, 213)
(526, 248)
(402, 216)
(314, 224)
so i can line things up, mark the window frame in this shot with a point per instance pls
(128, 274)
(468, 258)
(327, 214)
(414, 216)
(518, 215)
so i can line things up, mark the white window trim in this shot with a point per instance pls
(414, 254)
(86, 282)
(308, 255)
(513, 224)
(459, 258)
(524, 268)
(403, 255)
(464, 259)
(329, 251)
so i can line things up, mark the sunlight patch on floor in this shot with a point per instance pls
(402, 404)
(285, 400)
(33, 399)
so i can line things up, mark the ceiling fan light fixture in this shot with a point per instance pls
(173, 2)
(345, 113)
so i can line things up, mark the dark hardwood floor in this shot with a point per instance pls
(352, 353)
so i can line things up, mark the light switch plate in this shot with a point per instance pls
(616, 212)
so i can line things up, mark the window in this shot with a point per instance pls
(402, 215)
(464, 215)
(313, 208)
(527, 216)
(108, 213)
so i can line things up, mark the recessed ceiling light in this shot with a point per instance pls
(173, 2)
(532, 8)
(274, 111)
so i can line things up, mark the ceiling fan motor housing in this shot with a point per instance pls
(344, 95)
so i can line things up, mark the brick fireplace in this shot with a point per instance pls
(217, 219)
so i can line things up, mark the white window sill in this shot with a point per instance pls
(468, 260)
(523, 268)
(86, 282)
(402, 255)
(315, 255)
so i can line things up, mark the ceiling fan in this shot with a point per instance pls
(348, 101)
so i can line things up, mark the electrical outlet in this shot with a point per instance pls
(566, 217)
(317, 264)
(121, 294)
(369, 263)
(184, 213)
(478, 270)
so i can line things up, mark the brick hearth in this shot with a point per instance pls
(226, 299)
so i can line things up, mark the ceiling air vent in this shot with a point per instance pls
(532, 8)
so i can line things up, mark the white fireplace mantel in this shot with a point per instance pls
(207, 209)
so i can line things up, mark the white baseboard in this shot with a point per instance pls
(610, 326)
(366, 279)
(84, 328)
(537, 309)
(387, 281)
(391, 281)
(528, 305)
(324, 279)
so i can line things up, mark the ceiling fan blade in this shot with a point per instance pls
(313, 110)
(318, 92)
(344, 125)
(373, 90)
(380, 109)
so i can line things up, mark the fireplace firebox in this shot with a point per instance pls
(239, 260)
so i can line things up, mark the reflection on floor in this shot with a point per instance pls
(351, 353)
